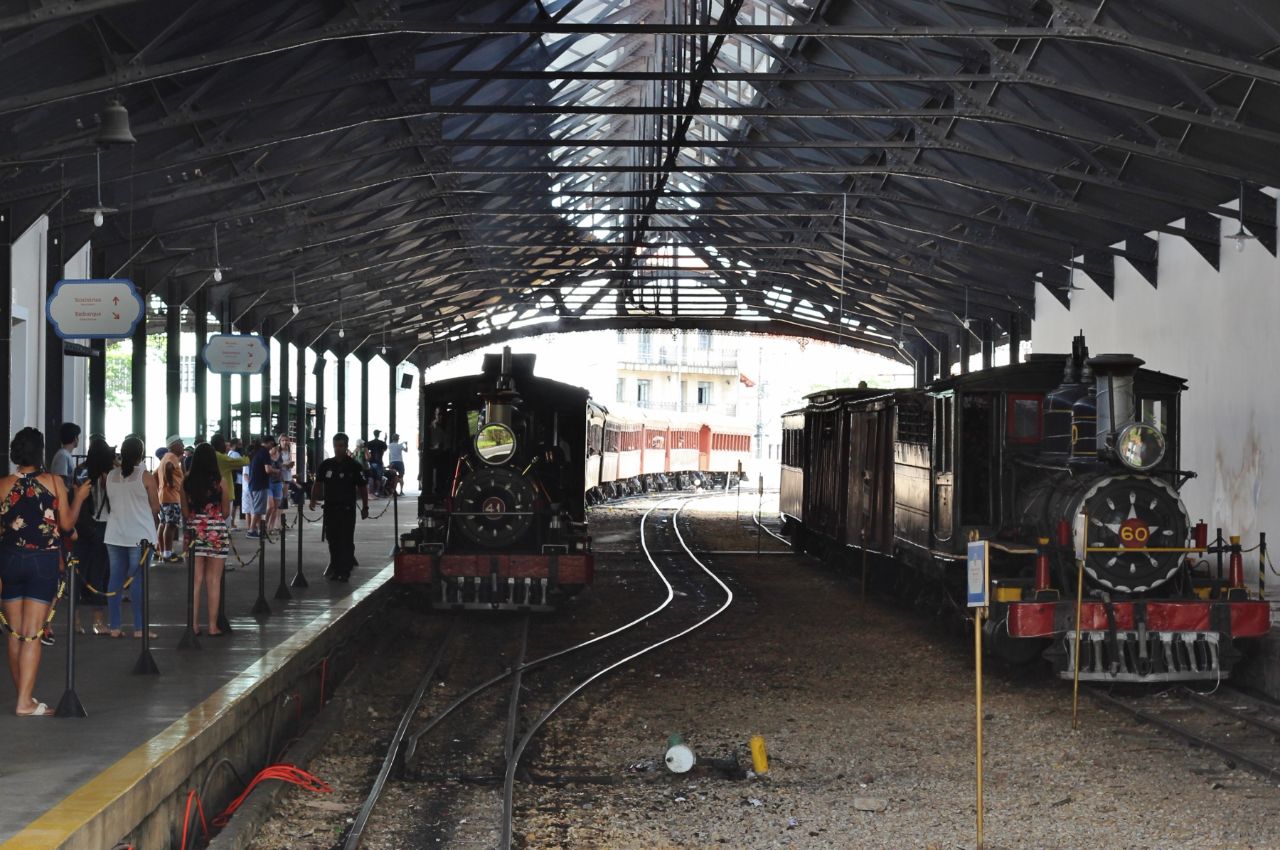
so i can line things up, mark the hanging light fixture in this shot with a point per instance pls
(1241, 235)
(383, 349)
(115, 124)
(342, 331)
(98, 211)
(218, 268)
(296, 308)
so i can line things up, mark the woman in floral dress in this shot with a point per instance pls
(206, 505)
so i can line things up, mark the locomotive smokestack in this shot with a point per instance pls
(1117, 406)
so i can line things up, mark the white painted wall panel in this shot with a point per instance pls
(1218, 330)
(27, 265)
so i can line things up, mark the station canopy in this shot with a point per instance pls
(885, 173)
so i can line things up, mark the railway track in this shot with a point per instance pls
(683, 612)
(1243, 730)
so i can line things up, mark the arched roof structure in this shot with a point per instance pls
(452, 173)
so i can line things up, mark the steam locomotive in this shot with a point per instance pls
(510, 461)
(1055, 460)
(502, 514)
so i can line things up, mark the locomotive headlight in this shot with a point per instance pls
(1140, 446)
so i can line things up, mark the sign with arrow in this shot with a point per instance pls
(94, 309)
(236, 354)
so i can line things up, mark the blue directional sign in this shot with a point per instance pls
(978, 573)
(94, 309)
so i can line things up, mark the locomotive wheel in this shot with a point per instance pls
(499, 504)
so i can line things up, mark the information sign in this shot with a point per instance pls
(94, 309)
(236, 354)
(978, 574)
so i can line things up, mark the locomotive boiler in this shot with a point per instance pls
(1060, 460)
(501, 516)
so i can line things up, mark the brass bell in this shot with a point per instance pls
(115, 125)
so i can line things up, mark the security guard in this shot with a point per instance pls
(338, 481)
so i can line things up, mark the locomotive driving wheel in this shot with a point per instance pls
(496, 506)
(1139, 513)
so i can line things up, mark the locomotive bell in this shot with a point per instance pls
(1116, 404)
(115, 125)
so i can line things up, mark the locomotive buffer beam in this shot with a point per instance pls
(1142, 656)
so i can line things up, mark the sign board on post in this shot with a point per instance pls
(978, 574)
(94, 309)
(236, 354)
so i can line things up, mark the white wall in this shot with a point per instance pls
(75, 370)
(1216, 329)
(27, 266)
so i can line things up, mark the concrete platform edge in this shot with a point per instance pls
(118, 800)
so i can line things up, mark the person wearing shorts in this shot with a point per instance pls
(208, 504)
(395, 455)
(259, 489)
(35, 513)
(169, 476)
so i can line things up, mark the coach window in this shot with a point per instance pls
(1153, 413)
(942, 441)
(977, 460)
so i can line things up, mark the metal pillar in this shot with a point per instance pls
(173, 359)
(318, 437)
(264, 420)
(364, 398)
(988, 342)
(282, 413)
(138, 373)
(300, 442)
(224, 415)
(6, 326)
(1015, 337)
(394, 386)
(97, 423)
(200, 371)
(966, 351)
(53, 356)
(246, 421)
(944, 356)
(342, 392)
(922, 364)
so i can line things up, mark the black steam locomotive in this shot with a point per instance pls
(1043, 462)
(501, 518)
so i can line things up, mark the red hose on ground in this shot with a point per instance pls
(282, 772)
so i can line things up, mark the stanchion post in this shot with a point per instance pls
(1262, 565)
(69, 705)
(978, 615)
(395, 523)
(146, 664)
(262, 608)
(299, 580)
(759, 510)
(978, 585)
(282, 592)
(189, 639)
(863, 578)
(224, 625)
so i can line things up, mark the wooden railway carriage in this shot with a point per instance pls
(1016, 455)
(502, 515)
(791, 478)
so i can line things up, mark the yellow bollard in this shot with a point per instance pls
(759, 758)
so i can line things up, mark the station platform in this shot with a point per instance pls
(88, 782)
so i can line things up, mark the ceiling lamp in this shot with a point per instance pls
(98, 210)
(218, 268)
(1241, 235)
(115, 124)
(296, 308)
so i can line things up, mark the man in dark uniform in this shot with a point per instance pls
(339, 481)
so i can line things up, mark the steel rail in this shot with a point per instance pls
(356, 833)
(1267, 771)
(508, 801)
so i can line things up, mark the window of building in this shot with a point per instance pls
(646, 343)
(642, 392)
(704, 392)
(622, 337)
(704, 340)
(187, 368)
(622, 388)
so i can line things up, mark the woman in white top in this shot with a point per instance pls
(134, 500)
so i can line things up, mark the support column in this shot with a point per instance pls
(1015, 337)
(966, 351)
(97, 423)
(300, 416)
(394, 385)
(6, 328)
(224, 415)
(988, 342)
(54, 359)
(922, 364)
(200, 370)
(138, 372)
(264, 418)
(364, 398)
(246, 421)
(173, 360)
(342, 393)
(320, 435)
(944, 355)
(282, 413)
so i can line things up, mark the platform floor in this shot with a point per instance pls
(44, 761)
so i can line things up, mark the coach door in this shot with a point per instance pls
(943, 498)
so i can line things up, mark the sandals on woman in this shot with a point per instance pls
(41, 710)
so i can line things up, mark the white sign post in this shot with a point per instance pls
(236, 354)
(94, 309)
(978, 580)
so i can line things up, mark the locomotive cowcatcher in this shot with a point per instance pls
(501, 518)
(1054, 461)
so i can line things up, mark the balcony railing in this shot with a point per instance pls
(689, 407)
(692, 360)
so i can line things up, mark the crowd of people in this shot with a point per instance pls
(105, 510)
